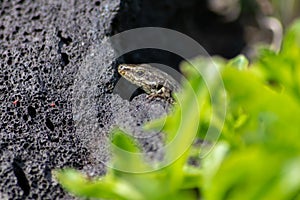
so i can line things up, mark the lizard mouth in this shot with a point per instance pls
(122, 73)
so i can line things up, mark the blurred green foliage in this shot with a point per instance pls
(256, 157)
(262, 129)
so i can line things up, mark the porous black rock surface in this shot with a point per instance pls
(57, 80)
(43, 44)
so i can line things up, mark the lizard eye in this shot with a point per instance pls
(122, 67)
(140, 73)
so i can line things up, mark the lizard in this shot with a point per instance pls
(153, 81)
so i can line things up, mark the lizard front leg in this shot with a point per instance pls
(163, 93)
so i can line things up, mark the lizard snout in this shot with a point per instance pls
(122, 69)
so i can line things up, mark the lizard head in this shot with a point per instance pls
(150, 79)
(132, 72)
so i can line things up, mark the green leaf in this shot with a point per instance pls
(240, 62)
(126, 154)
(107, 188)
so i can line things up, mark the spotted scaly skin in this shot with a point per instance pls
(153, 81)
